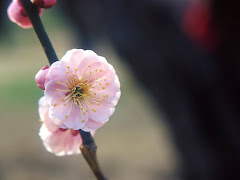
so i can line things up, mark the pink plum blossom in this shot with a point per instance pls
(82, 89)
(18, 15)
(44, 3)
(57, 140)
(41, 76)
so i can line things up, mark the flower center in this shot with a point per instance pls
(77, 91)
(84, 91)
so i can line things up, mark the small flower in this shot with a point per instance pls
(18, 15)
(82, 89)
(60, 141)
(44, 3)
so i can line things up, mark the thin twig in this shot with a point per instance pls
(32, 11)
(88, 147)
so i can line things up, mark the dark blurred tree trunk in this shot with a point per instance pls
(197, 90)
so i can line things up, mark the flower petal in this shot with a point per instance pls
(53, 88)
(58, 70)
(73, 57)
(60, 142)
(43, 107)
(92, 125)
(70, 114)
(102, 113)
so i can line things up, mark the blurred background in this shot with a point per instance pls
(178, 64)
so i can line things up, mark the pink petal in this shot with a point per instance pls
(89, 59)
(52, 127)
(40, 77)
(57, 142)
(103, 59)
(75, 118)
(92, 125)
(70, 115)
(15, 15)
(102, 113)
(56, 121)
(18, 15)
(76, 144)
(43, 107)
(44, 115)
(60, 142)
(52, 89)
(73, 57)
(58, 70)
(109, 87)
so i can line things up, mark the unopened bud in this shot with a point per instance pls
(44, 3)
(40, 77)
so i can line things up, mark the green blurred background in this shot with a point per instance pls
(134, 145)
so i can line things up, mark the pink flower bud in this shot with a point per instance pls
(18, 15)
(44, 3)
(40, 77)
